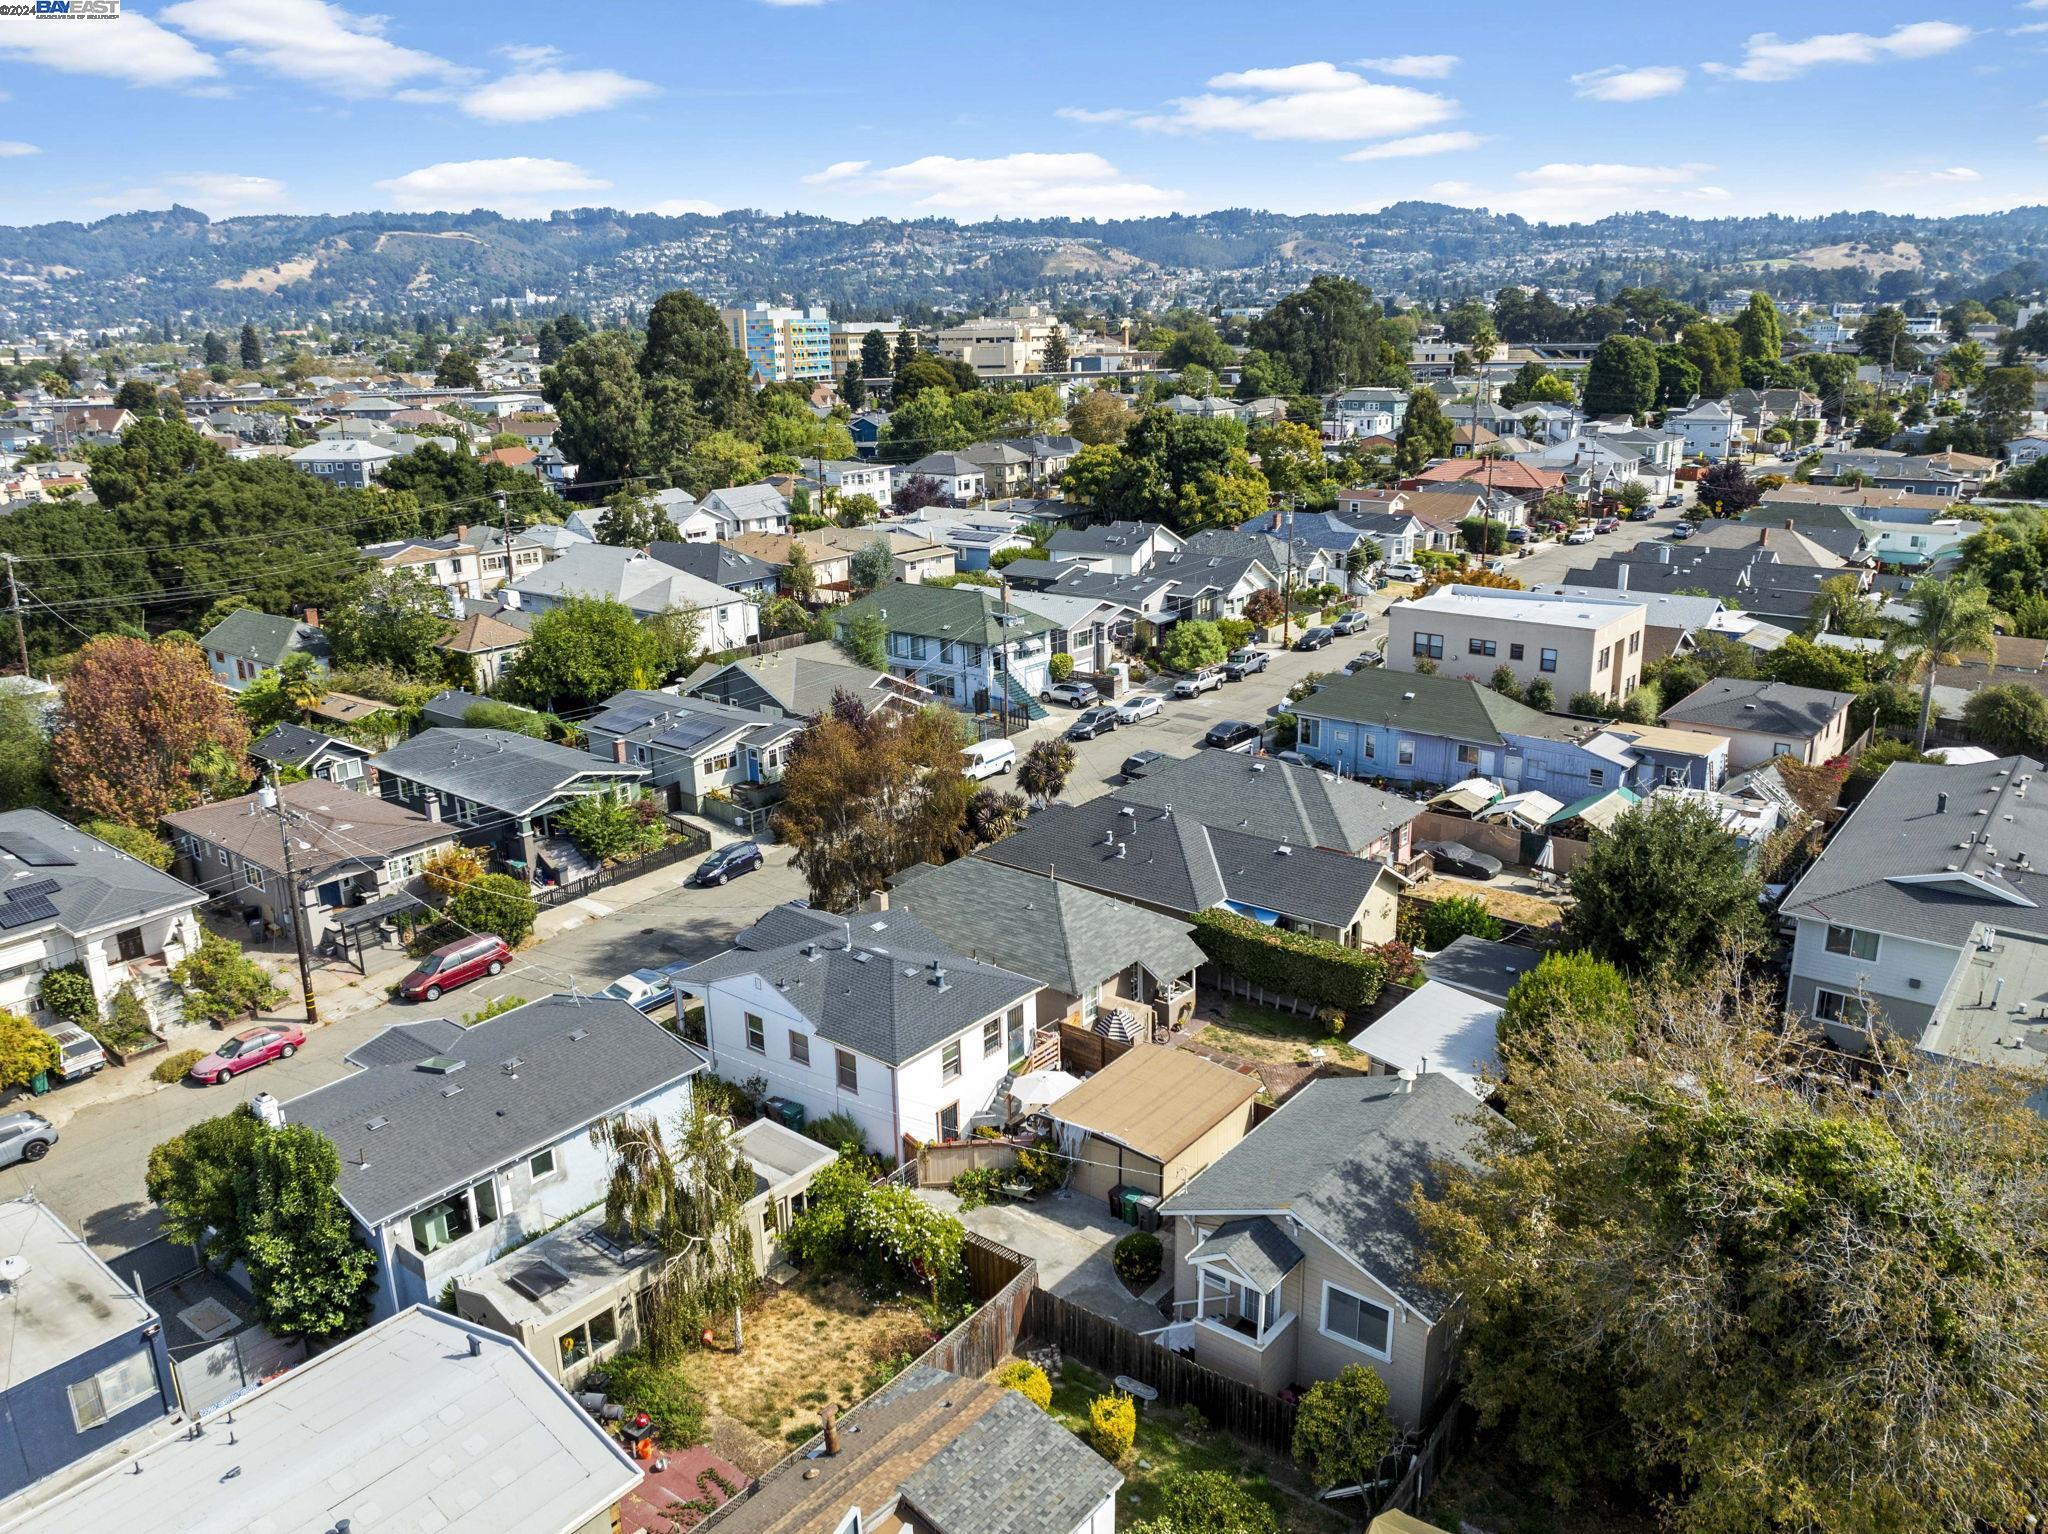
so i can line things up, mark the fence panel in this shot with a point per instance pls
(1503, 842)
(938, 1165)
(1084, 1051)
(692, 841)
(1111, 1349)
(1428, 1466)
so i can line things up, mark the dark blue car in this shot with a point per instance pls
(728, 863)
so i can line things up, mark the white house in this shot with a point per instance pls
(1709, 427)
(746, 509)
(647, 585)
(870, 1016)
(457, 1143)
(855, 476)
(349, 463)
(960, 480)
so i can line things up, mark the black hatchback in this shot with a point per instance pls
(728, 863)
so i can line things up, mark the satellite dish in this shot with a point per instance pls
(13, 1269)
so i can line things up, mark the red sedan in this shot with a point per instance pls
(247, 1050)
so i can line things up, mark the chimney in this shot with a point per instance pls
(1622, 583)
(1788, 524)
(433, 805)
(619, 749)
(830, 1419)
(1763, 537)
(879, 901)
(312, 617)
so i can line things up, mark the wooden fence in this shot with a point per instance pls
(938, 1165)
(1503, 842)
(1002, 1283)
(1111, 1349)
(1427, 1468)
(1083, 1051)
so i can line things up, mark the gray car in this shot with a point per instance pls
(25, 1136)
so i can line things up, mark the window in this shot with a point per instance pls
(1357, 1321)
(1468, 756)
(1606, 654)
(949, 1062)
(1372, 748)
(113, 1390)
(1481, 647)
(1405, 753)
(458, 1215)
(1834, 1007)
(849, 1075)
(581, 1342)
(1597, 776)
(1431, 645)
(991, 1037)
(799, 1047)
(1783, 748)
(1547, 661)
(1013, 1025)
(1514, 652)
(949, 1123)
(757, 1035)
(542, 1165)
(1852, 941)
(719, 763)
(1635, 642)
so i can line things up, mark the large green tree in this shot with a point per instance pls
(580, 653)
(137, 724)
(600, 400)
(2009, 718)
(390, 618)
(1665, 891)
(1761, 329)
(1879, 335)
(1426, 432)
(1622, 377)
(1949, 617)
(690, 363)
(1330, 335)
(1716, 350)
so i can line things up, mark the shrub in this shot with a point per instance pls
(495, 903)
(1342, 1428)
(1193, 644)
(174, 1067)
(67, 992)
(25, 1049)
(741, 1101)
(1539, 695)
(126, 1025)
(841, 1131)
(221, 982)
(639, 1384)
(450, 870)
(609, 828)
(1028, 1380)
(137, 843)
(977, 1186)
(1235, 631)
(1209, 1502)
(895, 1226)
(1060, 667)
(1590, 704)
(491, 1009)
(1112, 1426)
(1043, 1168)
(820, 1235)
(1445, 921)
(1311, 969)
(1579, 993)
(1137, 1258)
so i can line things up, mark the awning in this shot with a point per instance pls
(1468, 797)
(1258, 914)
(381, 909)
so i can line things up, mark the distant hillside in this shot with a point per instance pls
(162, 265)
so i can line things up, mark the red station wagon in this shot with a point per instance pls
(454, 964)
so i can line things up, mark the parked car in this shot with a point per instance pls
(1073, 694)
(988, 759)
(1243, 663)
(1139, 705)
(1363, 660)
(1607, 525)
(1579, 535)
(1518, 535)
(1672, 500)
(1352, 622)
(1201, 682)
(25, 1136)
(1315, 638)
(1466, 862)
(1092, 722)
(1138, 763)
(250, 1048)
(644, 990)
(81, 1051)
(1681, 529)
(454, 964)
(728, 863)
(1233, 735)
(1404, 572)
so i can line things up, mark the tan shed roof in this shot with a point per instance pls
(1156, 1100)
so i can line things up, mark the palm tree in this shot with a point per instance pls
(1952, 616)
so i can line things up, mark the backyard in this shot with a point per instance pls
(1484, 1489)
(1510, 905)
(810, 1344)
(1269, 1036)
(1170, 1439)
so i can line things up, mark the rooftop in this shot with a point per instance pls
(53, 875)
(1575, 611)
(333, 828)
(1155, 1100)
(1433, 705)
(1480, 967)
(64, 1303)
(1438, 1027)
(1771, 708)
(1303, 806)
(499, 768)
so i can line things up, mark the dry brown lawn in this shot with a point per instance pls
(808, 1345)
(1507, 904)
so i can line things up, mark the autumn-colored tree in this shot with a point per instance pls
(138, 722)
(451, 870)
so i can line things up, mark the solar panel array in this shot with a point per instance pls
(34, 851)
(20, 912)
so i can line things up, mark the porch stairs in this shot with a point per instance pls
(162, 1000)
(1030, 707)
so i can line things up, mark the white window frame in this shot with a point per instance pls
(121, 1372)
(1848, 950)
(1323, 1322)
(553, 1168)
(951, 1057)
(755, 1029)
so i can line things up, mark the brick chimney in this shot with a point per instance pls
(312, 617)
(619, 749)
(1763, 536)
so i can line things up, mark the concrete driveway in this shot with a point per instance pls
(1071, 1238)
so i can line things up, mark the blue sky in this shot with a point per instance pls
(969, 109)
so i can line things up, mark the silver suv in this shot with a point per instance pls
(25, 1136)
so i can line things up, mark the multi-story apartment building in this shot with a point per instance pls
(965, 643)
(1576, 644)
(780, 344)
(1009, 344)
(848, 336)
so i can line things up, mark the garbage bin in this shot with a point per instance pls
(39, 1083)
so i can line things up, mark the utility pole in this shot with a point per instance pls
(14, 604)
(505, 522)
(1287, 585)
(274, 802)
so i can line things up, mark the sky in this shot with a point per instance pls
(969, 109)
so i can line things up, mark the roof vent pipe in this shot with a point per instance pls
(1941, 804)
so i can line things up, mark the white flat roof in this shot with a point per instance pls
(1526, 606)
(66, 1303)
(1439, 1028)
(399, 1430)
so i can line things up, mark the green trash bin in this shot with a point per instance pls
(39, 1083)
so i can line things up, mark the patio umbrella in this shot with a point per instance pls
(1547, 858)
(1041, 1089)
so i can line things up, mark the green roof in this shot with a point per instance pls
(975, 614)
(1430, 705)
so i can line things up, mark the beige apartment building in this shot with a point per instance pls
(848, 336)
(1010, 344)
(1576, 644)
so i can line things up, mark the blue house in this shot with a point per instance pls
(977, 652)
(1408, 727)
(86, 1363)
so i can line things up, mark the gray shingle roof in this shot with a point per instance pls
(96, 887)
(1297, 805)
(293, 745)
(713, 562)
(971, 613)
(335, 830)
(1066, 937)
(1479, 967)
(1174, 862)
(1256, 1247)
(264, 638)
(895, 992)
(431, 1142)
(501, 769)
(1342, 1157)
(1896, 865)
(1772, 708)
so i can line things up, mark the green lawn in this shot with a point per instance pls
(1264, 1033)
(1167, 1442)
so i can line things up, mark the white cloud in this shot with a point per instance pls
(213, 190)
(2041, 142)
(1420, 144)
(519, 185)
(1315, 101)
(1953, 175)
(675, 207)
(1768, 57)
(309, 40)
(14, 148)
(1412, 66)
(538, 94)
(2031, 29)
(1619, 82)
(1083, 185)
(1096, 114)
(131, 47)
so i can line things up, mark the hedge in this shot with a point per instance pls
(1310, 969)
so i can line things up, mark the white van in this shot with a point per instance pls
(988, 759)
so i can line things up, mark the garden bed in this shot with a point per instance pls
(810, 1344)
(1169, 1439)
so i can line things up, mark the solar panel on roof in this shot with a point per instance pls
(39, 887)
(536, 1280)
(34, 851)
(19, 913)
